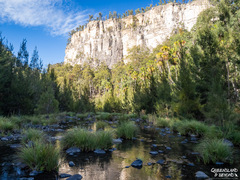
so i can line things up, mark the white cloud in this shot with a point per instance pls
(55, 15)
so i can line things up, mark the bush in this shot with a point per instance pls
(104, 116)
(41, 156)
(32, 135)
(6, 124)
(101, 125)
(87, 141)
(163, 122)
(127, 130)
(213, 150)
(234, 136)
(192, 127)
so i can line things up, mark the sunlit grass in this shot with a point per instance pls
(32, 135)
(127, 130)
(6, 124)
(213, 150)
(86, 140)
(41, 156)
(101, 125)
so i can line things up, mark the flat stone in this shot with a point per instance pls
(149, 164)
(161, 161)
(64, 175)
(127, 166)
(34, 173)
(195, 153)
(71, 164)
(190, 164)
(229, 143)
(168, 148)
(154, 145)
(4, 139)
(15, 146)
(117, 141)
(138, 163)
(142, 140)
(134, 138)
(24, 178)
(161, 151)
(219, 163)
(113, 149)
(168, 177)
(201, 175)
(75, 177)
(73, 150)
(153, 152)
(99, 151)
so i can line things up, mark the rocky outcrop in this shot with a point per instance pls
(110, 40)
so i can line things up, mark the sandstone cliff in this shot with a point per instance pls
(110, 40)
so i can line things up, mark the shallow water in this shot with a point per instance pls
(112, 165)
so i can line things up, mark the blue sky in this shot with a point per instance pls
(46, 23)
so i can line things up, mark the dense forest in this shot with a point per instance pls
(192, 75)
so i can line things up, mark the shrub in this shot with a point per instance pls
(87, 141)
(162, 122)
(234, 136)
(127, 130)
(104, 116)
(101, 125)
(103, 139)
(32, 135)
(192, 127)
(6, 124)
(213, 150)
(41, 156)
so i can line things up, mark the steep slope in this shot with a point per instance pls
(110, 40)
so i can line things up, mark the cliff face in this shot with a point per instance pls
(110, 40)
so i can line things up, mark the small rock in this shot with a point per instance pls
(154, 145)
(34, 173)
(195, 153)
(161, 161)
(134, 138)
(113, 149)
(149, 164)
(99, 151)
(201, 175)
(137, 163)
(153, 152)
(219, 163)
(127, 166)
(73, 150)
(117, 141)
(161, 151)
(229, 143)
(4, 139)
(24, 178)
(71, 164)
(190, 164)
(75, 177)
(15, 146)
(168, 177)
(184, 157)
(168, 148)
(142, 140)
(64, 175)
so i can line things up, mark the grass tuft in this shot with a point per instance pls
(127, 130)
(101, 125)
(32, 135)
(213, 150)
(87, 141)
(6, 124)
(41, 156)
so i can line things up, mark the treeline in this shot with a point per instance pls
(25, 87)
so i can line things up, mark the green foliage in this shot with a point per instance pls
(192, 127)
(127, 130)
(32, 135)
(47, 103)
(101, 125)
(6, 124)
(213, 150)
(87, 141)
(41, 156)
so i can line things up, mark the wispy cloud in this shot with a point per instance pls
(56, 15)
